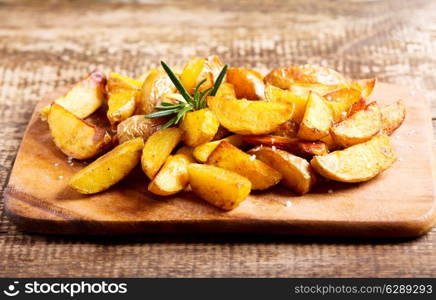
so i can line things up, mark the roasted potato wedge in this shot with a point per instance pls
(357, 163)
(364, 86)
(357, 106)
(226, 90)
(202, 152)
(393, 116)
(83, 98)
(191, 74)
(108, 169)
(173, 176)
(187, 151)
(297, 101)
(358, 128)
(157, 149)
(287, 129)
(155, 86)
(138, 126)
(296, 171)
(199, 127)
(249, 117)
(121, 105)
(285, 77)
(75, 137)
(247, 82)
(341, 101)
(117, 83)
(317, 119)
(219, 187)
(329, 142)
(229, 157)
(292, 145)
(303, 89)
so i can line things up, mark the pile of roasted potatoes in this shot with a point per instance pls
(291, 127)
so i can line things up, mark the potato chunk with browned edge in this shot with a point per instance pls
(202, 152)
(357, 163)
(296, 171)
(229, 157)
(219, 187)
(83, 98)
(317, 119)
(138, 126)
(74, 136)
(358, 128)
(393, 116)
(199, 127)
(248, 83)
(108, 169)
(249, 117)
(173, 177)
(157, 149)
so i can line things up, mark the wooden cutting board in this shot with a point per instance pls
(398, 203)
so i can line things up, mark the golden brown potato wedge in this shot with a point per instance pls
(341, 101)
(297, 101)
(199, 127)
(83, 98)
(285, 77)
(202, 152)
(364, 86)
(393, 116)
(330, 143)
(229, 157)
(219, 187)
(138, 126)
(108, 169)
(357, 163)
(155, 86)
(287, 129)
(321, 89)
(173, 176)
(292, 145)
(121, 105)
(358, 128)
(317, 119)
(226, 90)
(247, 82)
(249, 117)
(117, 82)
(191, 74)
(187, 151)
(75, 137)
(296, 171)
(358, 106)
(157, 149)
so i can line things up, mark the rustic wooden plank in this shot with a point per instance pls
(39, 52)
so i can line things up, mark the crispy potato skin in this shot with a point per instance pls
(74, 136)
(358, 128)
(157, 149)
(249, 117)
(317, 119)
(292, 145)
(285, 77)
(121, 105)
(173, 177)
(138, 126)
(341, 101)
(202, 152)
(191, 73)
(297, 101)
(296, 171)
(155, 86)
(83, 98)
(229, 157)
(247, 82)
(199, 127)
(219, 187)
(287, 129)
(117, 82)
(108, 169)
(393, 116)
(357, 163)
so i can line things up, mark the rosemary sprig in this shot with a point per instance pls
(186, 102)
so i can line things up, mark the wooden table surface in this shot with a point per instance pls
(48, 44)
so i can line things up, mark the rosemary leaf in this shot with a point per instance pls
(219, 80)
(176, 82)
(162, 113)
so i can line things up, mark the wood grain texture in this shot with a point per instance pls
(45, 45)
(371, 209)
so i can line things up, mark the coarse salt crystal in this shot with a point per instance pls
(56, 164)
(60, 177)
(288, 203)
(330, 191)
(274, 148)
(252, 157)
